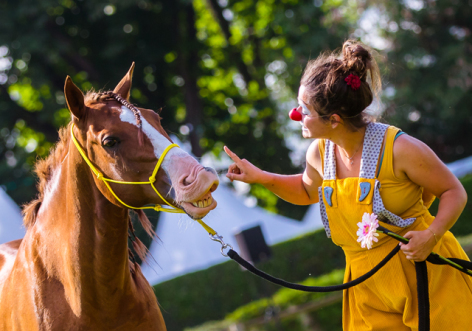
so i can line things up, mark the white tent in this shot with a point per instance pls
(11, 221)
(184, 246)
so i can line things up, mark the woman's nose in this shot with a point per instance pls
(295, 114)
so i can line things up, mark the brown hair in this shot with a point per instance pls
(329, 93)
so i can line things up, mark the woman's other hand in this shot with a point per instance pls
(243, 170)
(420, 246)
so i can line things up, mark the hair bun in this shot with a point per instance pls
(356, 58)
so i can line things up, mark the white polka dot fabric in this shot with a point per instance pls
(373, 139)
(330, 161)
(324, 215)
(384, 215)
(370, 153)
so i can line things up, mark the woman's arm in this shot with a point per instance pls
(300, 189)
(416, 161)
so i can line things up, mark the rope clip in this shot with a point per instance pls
(218, 238)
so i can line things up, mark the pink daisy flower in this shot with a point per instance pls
(367, 232)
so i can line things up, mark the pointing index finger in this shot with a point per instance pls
(233, 156)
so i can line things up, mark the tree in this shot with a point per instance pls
(430, 72)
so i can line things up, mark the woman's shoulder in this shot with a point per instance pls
(406, 145)
(410, 153)
(315, 154)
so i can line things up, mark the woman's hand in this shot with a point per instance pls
(420, 246)
(243, 170)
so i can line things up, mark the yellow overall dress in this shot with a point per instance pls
(388, 300)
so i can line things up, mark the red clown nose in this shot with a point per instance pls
(295, 115)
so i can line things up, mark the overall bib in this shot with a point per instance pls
(388, 300)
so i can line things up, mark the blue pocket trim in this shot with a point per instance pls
(365, 189)
(328, 193)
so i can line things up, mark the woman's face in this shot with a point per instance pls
(312, 124)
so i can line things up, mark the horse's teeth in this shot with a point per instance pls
(203, 203)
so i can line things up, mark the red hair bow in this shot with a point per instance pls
(354, 81)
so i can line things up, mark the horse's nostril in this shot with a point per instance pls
(214, 187)
(186, 181)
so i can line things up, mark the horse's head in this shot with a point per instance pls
(125, 143)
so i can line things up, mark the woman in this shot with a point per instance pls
(356, 166)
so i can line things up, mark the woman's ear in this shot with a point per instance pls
(74, 99)
(335, 120)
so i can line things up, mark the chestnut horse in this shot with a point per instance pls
(72, 270)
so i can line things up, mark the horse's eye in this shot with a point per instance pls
(109, 142)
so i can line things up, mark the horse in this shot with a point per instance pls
(73, 270)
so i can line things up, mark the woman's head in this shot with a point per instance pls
(331, 84)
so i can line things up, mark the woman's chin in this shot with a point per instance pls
(306, 133)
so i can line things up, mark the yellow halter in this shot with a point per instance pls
(151, 181)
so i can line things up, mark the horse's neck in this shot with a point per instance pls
(83, 237)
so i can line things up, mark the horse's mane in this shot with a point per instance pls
(43, 170)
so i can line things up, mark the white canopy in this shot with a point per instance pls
(11, 221)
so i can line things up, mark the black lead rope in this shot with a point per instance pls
(235, 256)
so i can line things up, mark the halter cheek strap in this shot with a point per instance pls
(151, 181)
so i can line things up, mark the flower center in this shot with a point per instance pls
(366, 229)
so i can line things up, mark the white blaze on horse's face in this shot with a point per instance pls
(192, 182)
(158, 141)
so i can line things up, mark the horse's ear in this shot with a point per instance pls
(74, 99)
(123, 88)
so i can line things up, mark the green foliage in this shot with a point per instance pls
(285, 298)
(328, 318)
(463, 225)
(430, 69)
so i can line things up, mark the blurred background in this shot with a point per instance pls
(226, 72)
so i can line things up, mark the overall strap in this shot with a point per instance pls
(329, 173)
(329, 169)
(374, 136)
